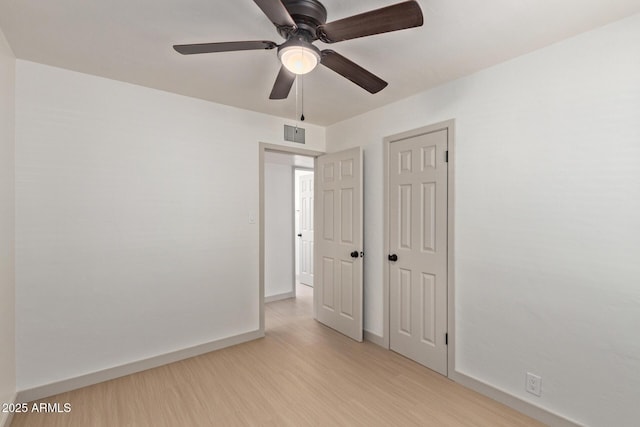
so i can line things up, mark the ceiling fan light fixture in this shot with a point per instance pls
(302, 22)
(299, 59)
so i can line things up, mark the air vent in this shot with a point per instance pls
(294, 134)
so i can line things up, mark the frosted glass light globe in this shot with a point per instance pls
(299, 59)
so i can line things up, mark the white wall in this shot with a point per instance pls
(278, 229)
(547, 225)
(132, 230)
(7, 283)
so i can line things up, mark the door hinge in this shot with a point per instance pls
(446, 156)
(446, 339)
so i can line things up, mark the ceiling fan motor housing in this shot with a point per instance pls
(298, 41)
(307, 14)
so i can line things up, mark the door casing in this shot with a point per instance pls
(449, 125)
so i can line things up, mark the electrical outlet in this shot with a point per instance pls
(533, 384)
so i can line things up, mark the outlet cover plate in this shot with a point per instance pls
(533, 384)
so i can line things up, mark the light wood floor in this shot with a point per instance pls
(300, 374)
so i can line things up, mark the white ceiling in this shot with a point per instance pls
(130, 40)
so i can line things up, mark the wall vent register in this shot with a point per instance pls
(294, 134)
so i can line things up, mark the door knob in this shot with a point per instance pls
(355, 254)
(300, 235)
(393, 257)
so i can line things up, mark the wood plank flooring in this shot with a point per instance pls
(300, 374)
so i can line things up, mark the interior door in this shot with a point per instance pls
(306, 229)
(339, 242)
(418, 249)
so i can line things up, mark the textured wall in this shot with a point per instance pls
(132, 235)
(547, 227)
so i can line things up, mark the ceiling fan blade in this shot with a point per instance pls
(276, 12)
(190, 49)
(352, 71)
(282, 86)
(391, 18)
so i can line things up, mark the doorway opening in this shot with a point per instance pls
(288, 231)
(285, 258)
(338, 243)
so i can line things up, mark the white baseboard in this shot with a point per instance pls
(374, 338)
(543, 415)
(63, 386)
(279, 297)
(6, 418)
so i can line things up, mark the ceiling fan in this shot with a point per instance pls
(301, 22)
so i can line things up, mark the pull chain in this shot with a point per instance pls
(296, 112)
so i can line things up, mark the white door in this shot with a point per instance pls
(418, 238)
(306, 229)
(339, 242)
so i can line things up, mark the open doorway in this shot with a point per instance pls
(338, 244)
(288, 233)
(278, 229)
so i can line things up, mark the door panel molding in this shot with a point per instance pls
(425, 239)
(338, 299)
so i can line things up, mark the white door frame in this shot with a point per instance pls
(449, 125)
(262, 148)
